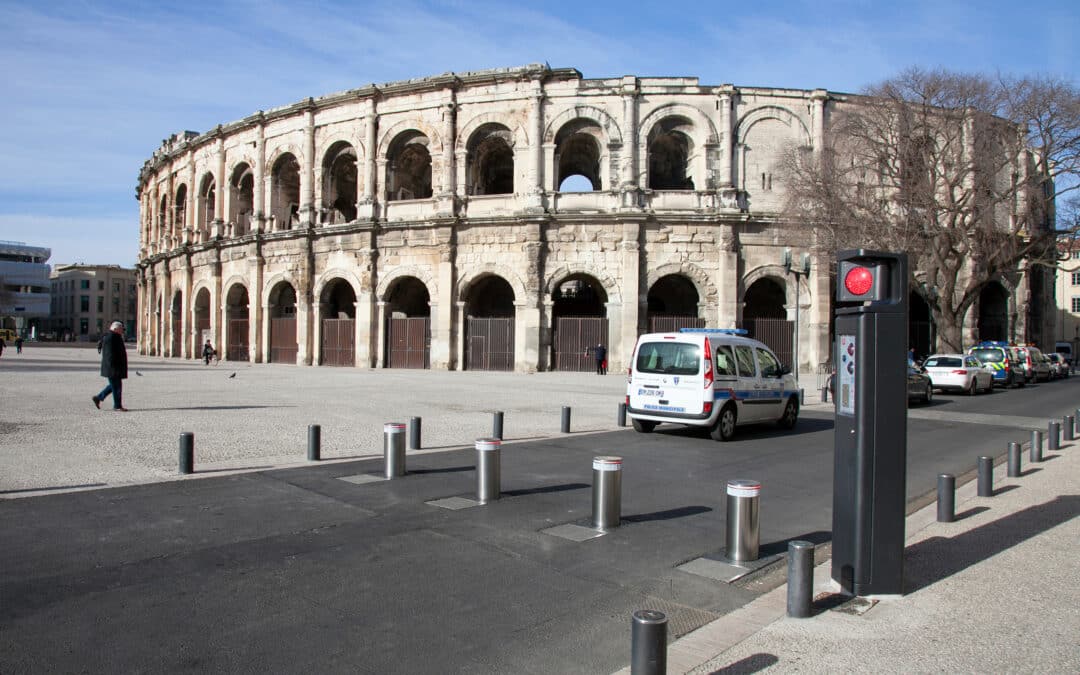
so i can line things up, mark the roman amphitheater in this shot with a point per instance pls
(504, 219)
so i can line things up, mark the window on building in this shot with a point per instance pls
(1076, 278)
(100, 304)
(84, 303)
(84, 326)
(1076, 255)
(84, 284)
(101, 285)
(116, 305)
(1076, 305)
(116, 287)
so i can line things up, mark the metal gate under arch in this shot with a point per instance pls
(409, 342)
(490, 344)
(338, 342)
(237, 348)
(777, 334)
(575, 336)
(283, 347)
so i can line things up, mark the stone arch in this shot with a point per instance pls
(520, 137)
(706, 133)
(206, 203)
(386, 281)
(180, 203)
(781, 276)
(338, 179)
(410, 166)
(241, 198)
(606, 122)
(707, 291)
(607, 282)
(387, 137)
(270, 284)
(471, 276)
(326, 141)
(489, 160)
(335, 274)
(779, 113)
(285, 171)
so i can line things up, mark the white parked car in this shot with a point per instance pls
(958, 372)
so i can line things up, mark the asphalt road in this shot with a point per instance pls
(298, 571)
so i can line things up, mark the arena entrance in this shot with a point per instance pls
(765, 318)
(337, 306)
(579, 316)
(672, 304)
(489, 325)
(201, 315)
(176, 316)
(236, 324)
(408, 328)
(283, 347)
(993, 312)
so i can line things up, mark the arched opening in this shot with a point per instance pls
(489, 331)
(285, 193)
(163, 217)
(236, 324)
(206, 205)
(408, 324)
(337, 307)
(201, 316)
(672, 303)
(339, 184)
(577, 152)
(921, 335)
(181, 211)
(282, 317)
(993, 312)
(579, 317)
(176, 320)
(489, 162)
(765, 317)
(241, 199)
(408, 167)
(670, 149)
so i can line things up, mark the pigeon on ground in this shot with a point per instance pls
(138, 373)
(232, 376)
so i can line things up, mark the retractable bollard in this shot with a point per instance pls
(1069, 427)
(1053, 436)
(800, 578)
(414, 433)
(314, 442)
(394, 449)
(487, 469)
(986, 476)
(620, 419)
(187, 452)
(648, 643)
(742, 537)
(1035, 452)
(606, 492)
(1014, 460)
(946, 498)
(565, 419)
(497, 424)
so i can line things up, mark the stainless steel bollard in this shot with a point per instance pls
(1053, 436)
(1035, 452)
(648, 643)
(1068, 425)
(800, 579)
(986, 476)
(620, 418)
(1014, 460)
(565, 419)
(606, 492)
(394, 449)
(487, 469)
(314, 442)
(187, 452)
(414, 433)
(497, 424)
(742, 537)
(946, 498)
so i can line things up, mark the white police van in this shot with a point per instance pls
(714, 378)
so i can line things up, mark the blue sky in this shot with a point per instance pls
(91, 88)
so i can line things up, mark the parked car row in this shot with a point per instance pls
(1016, 365)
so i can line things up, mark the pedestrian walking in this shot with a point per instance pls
(114, 366)
(600, 354)
(207, 353)
(2, 345)
(18, 345)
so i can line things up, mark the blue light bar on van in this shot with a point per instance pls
(716, 331)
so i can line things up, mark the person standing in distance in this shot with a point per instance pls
(114, 366)
(600, 354)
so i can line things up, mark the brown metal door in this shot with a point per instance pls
(238, 340)
(283, 348)
(339, 342)
(409, 342)
(575, 336)
(669, 323)
(491, 344)
(777, 334)
(177, 338)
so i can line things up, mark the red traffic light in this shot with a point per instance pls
(859, 280)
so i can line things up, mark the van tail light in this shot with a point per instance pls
(628, 400)
(707, 408)
(959, 372)
(708, 365)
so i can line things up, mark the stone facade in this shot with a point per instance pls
(445, 199)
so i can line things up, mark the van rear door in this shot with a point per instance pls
(667, 378)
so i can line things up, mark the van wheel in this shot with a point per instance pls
(791, 414)
(643, 427)
(724, 430)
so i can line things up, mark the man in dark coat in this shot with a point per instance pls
(113, 366)
(600, 354)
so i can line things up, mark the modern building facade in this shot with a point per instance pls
(87, 298)
(434, 223)
(24, 286)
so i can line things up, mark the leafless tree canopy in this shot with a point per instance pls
(961, 171)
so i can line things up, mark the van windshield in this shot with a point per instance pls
(988, 354)
(674, 358)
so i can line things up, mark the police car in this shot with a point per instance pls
(1003, 361)
(712, 378)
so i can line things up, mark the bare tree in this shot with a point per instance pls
(960, 171)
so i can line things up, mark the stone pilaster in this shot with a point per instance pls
(307, 171)
(727, 279)
(260, 189)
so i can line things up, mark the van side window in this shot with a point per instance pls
(769, 366)
(725, 361)
(745, 357)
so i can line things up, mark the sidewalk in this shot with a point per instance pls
(994, 591)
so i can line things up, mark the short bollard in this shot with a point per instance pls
(314, 442)
(1053, 436)
(394, 449)
(648, 643)
(620, 419)
(741, 536)
(497, 424)
(487, 469)
(1014, 460)
(565, 419)
(825, 394)
(946, 498)
(606, 492)
(1076, 421)
(800, 578)
(1068, 426)
(986, 476)
(414, 433)
(187, 452)
(1035, 452)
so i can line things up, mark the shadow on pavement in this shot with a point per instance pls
(669, 514)
(549, 488)
(777, 547)
(215, 407)
(938, 558)
(751, 664)
(53, 487)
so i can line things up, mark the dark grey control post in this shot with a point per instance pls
(187, 452)
(946, 498)
(800, 579)
(314, 442)
(1035, 451)
(648, 643)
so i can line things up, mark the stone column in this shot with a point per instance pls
(365, 208)
(222, 185)
(190, 221)
(307, 171)
(445, 202)
(380, 334)
(623, 333)
(726, 93)
(259, 196)
(462, 334)
(727, 281)
(187, 328)
(442, 318)
(817, 99)
(534, 194)
(256, 310)
(630, 132)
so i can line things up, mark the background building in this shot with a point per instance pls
(24, 286)
(87, 298)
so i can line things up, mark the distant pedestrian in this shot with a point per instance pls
(600, 354)
(18, 345)
(207, 353)
(114, 366)
(2, 345)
